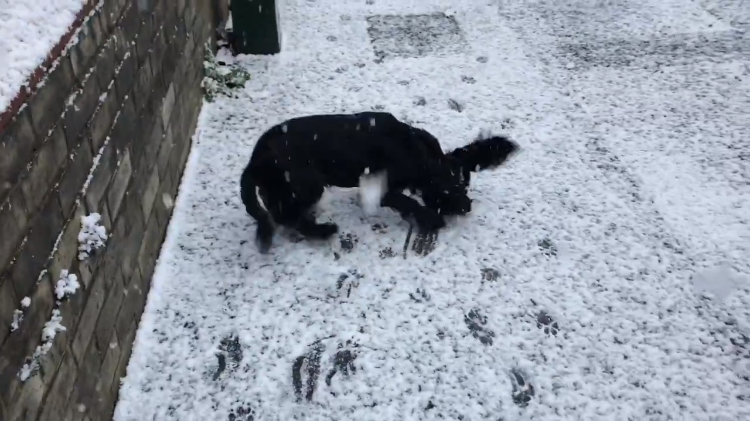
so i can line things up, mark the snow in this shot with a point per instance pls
(567, 293)
(50, 330)
(28, 32)
(92, 235)
(67, 285)
(17, 319)
(18, 314)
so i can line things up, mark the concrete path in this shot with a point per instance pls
(602, 275)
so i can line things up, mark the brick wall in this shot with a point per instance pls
(108, 131)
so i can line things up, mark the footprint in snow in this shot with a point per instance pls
(229, 355)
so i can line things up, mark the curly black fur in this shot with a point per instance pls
(293, 163)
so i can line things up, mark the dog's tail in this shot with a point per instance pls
(484, 153)
(250, 194)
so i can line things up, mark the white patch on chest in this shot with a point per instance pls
(372, 188)
(372, 122)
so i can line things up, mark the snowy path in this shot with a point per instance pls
(577, 269)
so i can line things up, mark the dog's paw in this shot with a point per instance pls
(327, 229)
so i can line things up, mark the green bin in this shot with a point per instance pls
(255, 27)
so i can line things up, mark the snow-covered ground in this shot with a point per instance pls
(28, 31)
(602, 274)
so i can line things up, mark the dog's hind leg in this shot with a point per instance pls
(250, 195)
(307, 187)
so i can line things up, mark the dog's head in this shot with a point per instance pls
(446, 191)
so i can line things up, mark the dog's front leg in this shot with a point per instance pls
(426, 218)
(307, 226)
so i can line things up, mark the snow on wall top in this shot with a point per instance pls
(28, 32)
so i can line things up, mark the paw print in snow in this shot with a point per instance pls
(455, 105)
(544, 321)
(420, 296)
(242, 413)
(348, 241)
(468, 79)
(343, 362)
(490, 274)
(476, 322)
(386, 253)
(380, 228)
(507, 124)
(547, 247)
(348, 281)
(420, 101)
(523, 391)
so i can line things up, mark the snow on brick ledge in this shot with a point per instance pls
(32, 37)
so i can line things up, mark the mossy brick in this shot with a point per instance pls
(150, 246)
(128, 255)
(17, 147)
(97, 294)
(44, 169)
(8, 304)
(164, 203)
(168, 105)
(32, 257)
(164, 151)
(74, 177)
(125, 130)
(50, 362)
(142, 89)
(97, 28)
(14, 219)
(126, 76)
(119, 182)
(67, 248)
(149, 195)
(21, 344)
(80, 110)
(103, 117)
(83, 51)
(27, 400)
(88, 372)
(130, 21)
(106, 65)
(106, 402)
(112, 10)
(100, 178)
(105, 325)
(126, 349)
(57, 397)
(134, 299)
(48, 102)
(145, 37)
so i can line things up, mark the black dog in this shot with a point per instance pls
(293, 163)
